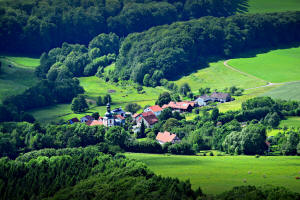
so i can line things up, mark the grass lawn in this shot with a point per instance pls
(216, 174)
(15, 79)
(217, 76)
(276, 66)
(266, 6)
(290, 91)
(248, 94)
(290, 122)
(95, 87)
(24, 61)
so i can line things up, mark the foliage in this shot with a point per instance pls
(186, 45)
(79, 104)
(132, 107)
(163, 99)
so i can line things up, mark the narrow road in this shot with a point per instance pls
(249, 75)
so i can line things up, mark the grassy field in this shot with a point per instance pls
(248, 94)
(95, 87)
(276, 66)
(217, 76)
(290, 91)
(220, 173)
(16, 79)
(290, 122)
(266, 6)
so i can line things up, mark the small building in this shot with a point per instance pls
(220, 97)
(108, 119)
(120, 120)
(73, 120)
(86, 118)
(149, 119)
(118, 111)
(166, 136)
(203, 100)
(136, 116)
(94, 123)
(156, 109)
(180, 106)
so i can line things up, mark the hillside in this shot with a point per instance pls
(266, 6)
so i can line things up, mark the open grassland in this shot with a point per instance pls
(216, 174)
(267, 6)
(248, 94)
(290, 91)
(276, 66)
(217, 76)
(24, 61)
(290, 122)
(17, 78)
(95, 87)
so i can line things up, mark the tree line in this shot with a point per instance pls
(170, 51)
(38, 26)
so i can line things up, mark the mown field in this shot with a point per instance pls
(217, 76)
(290, 122)
(267, 6)
(18, 77)
(276, 66)
(290, 91)
(216, 174)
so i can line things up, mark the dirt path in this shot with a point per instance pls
(249, 75)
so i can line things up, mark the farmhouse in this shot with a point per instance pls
(221, 97)
(156, 109)
(86, 118)
(94, 123)
(202, 100)
(149, 119)
(118, 111)
(166, 136)
(180, 106)
(73, 120)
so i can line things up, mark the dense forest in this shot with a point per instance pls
(36, 26)
(170, 51)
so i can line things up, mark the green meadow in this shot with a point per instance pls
(95, 87)
(217, 76)
(282, 65)
(17, 78)
(290, 122)
(290, 91)
(216, 174)
(267, 6)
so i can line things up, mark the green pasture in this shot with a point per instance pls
(276, 66)
(23, 61)
(248, 94)
(267, 6)
(95, 87)
(16, 78)
(217, 76)
(289, 91)
(290, 122)
(216, 174)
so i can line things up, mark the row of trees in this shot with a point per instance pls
(166, 52)
(22, 23)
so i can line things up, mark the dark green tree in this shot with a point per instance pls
(163, 99)
(132, 107)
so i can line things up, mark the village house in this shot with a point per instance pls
(118, 111)
(73, 120)
(149, 119)
(220, 97)
(86, 118)
(203, 100)
(156, 109)
(166, 136)
(180, 106)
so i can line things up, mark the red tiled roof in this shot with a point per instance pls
(94, 123)
(219, 95)
(136, 115)
(150, 117)
(155, 108)
(179, 105)
(165, 137)
(120, 117)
